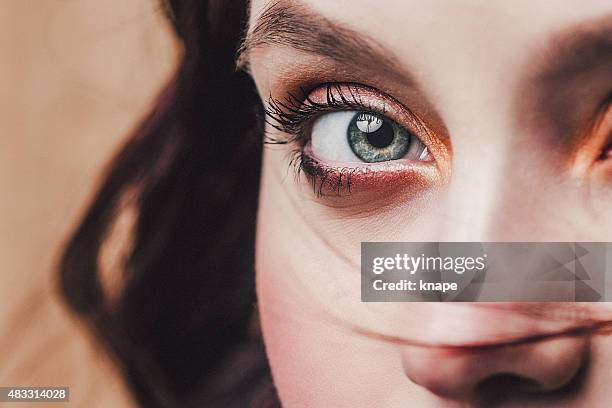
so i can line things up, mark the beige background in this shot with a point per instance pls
(75, 76)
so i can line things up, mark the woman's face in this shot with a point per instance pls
(427, 121)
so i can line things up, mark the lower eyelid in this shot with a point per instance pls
(371, 100)
(328, 178)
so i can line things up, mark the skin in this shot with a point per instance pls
(517, 163)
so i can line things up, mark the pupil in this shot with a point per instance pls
(383, 137)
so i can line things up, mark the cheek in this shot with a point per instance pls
(291, 342)
(315, 360)
(291, 345)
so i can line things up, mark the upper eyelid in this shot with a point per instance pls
(288, 115)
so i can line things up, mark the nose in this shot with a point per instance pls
(475, 373)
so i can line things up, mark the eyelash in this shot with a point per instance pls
(293, 114)
(320, 176)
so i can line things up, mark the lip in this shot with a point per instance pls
(484, 325)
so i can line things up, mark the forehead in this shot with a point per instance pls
(450, 16)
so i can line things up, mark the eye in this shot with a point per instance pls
(594, 155)
(360, 136)
(354, 139)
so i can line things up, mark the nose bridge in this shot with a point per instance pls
(480, 117)
(506, 191)
(476, 181)
(502, 188)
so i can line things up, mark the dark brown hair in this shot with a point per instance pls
(192, 169)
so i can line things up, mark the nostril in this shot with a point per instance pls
(501, 385)
(493, 390)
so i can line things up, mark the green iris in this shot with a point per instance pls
(374, 138)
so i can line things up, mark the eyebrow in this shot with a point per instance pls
(569, 78)
(291, 24)
(578, 49)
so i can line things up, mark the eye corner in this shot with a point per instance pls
(595, 148)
